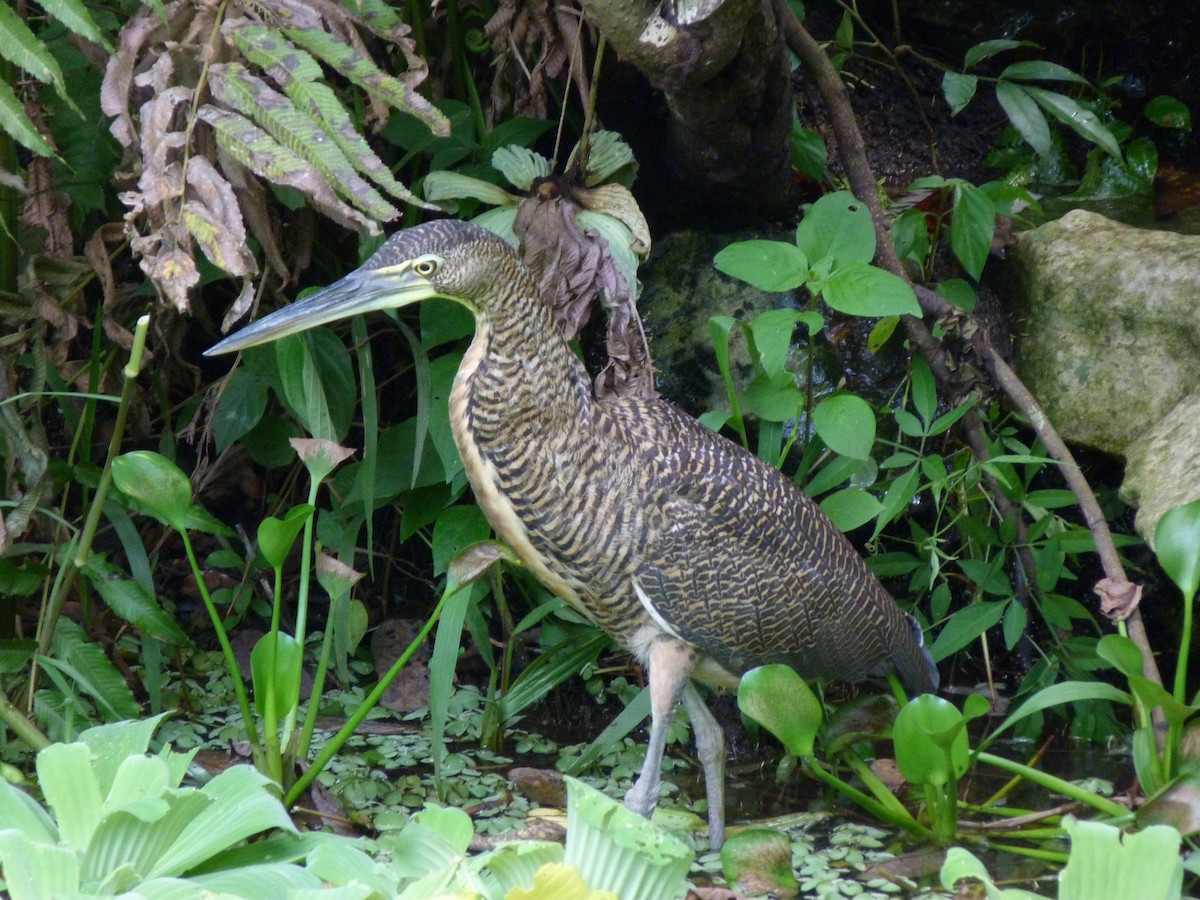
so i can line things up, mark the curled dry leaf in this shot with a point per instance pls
(523, 30)
(575, 269)
(1118, 599)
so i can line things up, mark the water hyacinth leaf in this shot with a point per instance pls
(768, 265)
(963, 864)
(930, 739)
(558, 880)
(276, 536)
(860, 289)
(1177, 546)
(779, 700)
(156, 484)
(846, 423)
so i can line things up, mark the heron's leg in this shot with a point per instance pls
(710, 749)
(669, 663)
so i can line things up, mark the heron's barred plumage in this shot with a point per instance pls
(693, 553)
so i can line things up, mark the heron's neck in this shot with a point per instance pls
(519, 379)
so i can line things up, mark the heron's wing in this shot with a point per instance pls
(739, 562)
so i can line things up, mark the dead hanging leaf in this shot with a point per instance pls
(474, 562)
(535, 30)
(214, 219)
(1118, 599)
(575, 269)
(240, 306)
(616, 200)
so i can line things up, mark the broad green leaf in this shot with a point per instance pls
(768, 265)
(988, 49)
(1168, 112)
(809, 154)
(129, 600)
(846, 423)
(34, 871)
(441, 186)
(242, 806)
(957, 291)
(859, 289)
(280, 681)
(781, 701)
(1177, 545)
(775, 399)
(771, 336)
(69, 784)
(1040, 70)
(965, 626)
(837, 227)
(1062, 693)
(958, 90)
(457, 528)
(930, 740)
(1106, 862)
(1121, 652)
(276, 536)
(1083, 121)
(156, 484)
(851, 508)
(972, 227)
(1025, 116)
(520, 165)
(881, 332)
(243, 402)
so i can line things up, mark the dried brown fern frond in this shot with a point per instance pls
(533, 42)
(213, 101)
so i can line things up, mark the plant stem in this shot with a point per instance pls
(1058, 785)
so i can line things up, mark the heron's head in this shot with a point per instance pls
(445, 258)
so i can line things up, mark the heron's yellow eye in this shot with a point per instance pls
(426, 266)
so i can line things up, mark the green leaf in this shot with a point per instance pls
(279, 682)
(521, 166)
(846, 423)
(1177, 546)
(1022, 110)
(859, 289)
(440, 186)
(837, 227)
(457, 528)
(881, 332)
(972, 227)
(988, 49)
(850, 508)
(924, 390)
(965, 626)
(957, 291)
(930, 740)
(809, 155)
(781, 701)
(17, 125)
(1083, 121)
(1167, 112)
(243, 402)
(768, 265)
(276, 536)
(1106, 862)
(775, 399)
(317, 377)
(1062, 693)
(33, 871)
(1041, 70)
(771, 337)
(958, 90)
(131, 602)
(156, 484)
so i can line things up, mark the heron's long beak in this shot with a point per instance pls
(363, 290)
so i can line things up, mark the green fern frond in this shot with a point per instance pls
(74, 15)
(363, 72)
(291, 127)
(267, 158)
(21, 47)
(319, 101)
(14, 122)
(279, 57)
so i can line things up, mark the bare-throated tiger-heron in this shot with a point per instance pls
(695, 555)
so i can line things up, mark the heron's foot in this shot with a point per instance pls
(642, 798)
